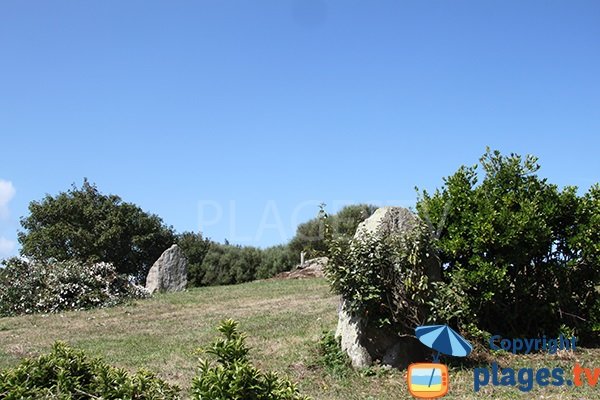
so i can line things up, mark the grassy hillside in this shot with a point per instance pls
(283, 319)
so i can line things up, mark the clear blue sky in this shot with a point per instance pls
(263, 109)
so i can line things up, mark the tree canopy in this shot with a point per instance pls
(310, 235)
(86, 225)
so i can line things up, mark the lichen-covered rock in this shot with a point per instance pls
(350, 331)
(169, 272)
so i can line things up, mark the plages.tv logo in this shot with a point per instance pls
(430, 380)
(526, 378)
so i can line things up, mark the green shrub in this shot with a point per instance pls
(276, 259)
(69, 374)
(31, 287)
(385, 281)
(212, 263)
(331, 357)
(234, 377)
(226, 264)
(523, 254)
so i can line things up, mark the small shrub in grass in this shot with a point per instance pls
(232, 376)
(30, 287)
(331, 357)
(69, 374)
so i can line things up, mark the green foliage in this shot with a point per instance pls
(310, 235)
(448, 302)
(234, 377)
(225, 264)
(86, 225)
(31, 287)
(309, 238)
(331, 357)
(524, 253)
(384, 280)
(69, 374)
(276, 259)
(195, 248)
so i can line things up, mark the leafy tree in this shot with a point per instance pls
(345, 221)
(87, 225)
(524, 252)
(309, 237)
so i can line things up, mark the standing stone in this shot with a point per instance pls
(362, 343)
(350, 331)
(169, 272)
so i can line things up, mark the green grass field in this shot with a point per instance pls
(284, 320)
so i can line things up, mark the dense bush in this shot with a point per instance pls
(195, 248)
(69, 374)
(386, 280)
(87, 225)
(234, 377)
(30, 287)
(310, 235)
(225, 264)
(525, 254)
(212, 263)
(276, 259)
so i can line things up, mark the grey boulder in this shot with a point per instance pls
(169, 272)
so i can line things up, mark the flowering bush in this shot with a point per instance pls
(30, 287)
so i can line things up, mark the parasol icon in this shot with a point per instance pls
(443, 339)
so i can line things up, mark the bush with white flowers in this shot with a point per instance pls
(32, 287)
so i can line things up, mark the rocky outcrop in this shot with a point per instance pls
(365, 344)
(312, 268)
(169, 272)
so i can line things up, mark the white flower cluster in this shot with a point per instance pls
(29, 287)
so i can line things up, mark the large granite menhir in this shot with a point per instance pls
(365, 344)
(169, 272)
